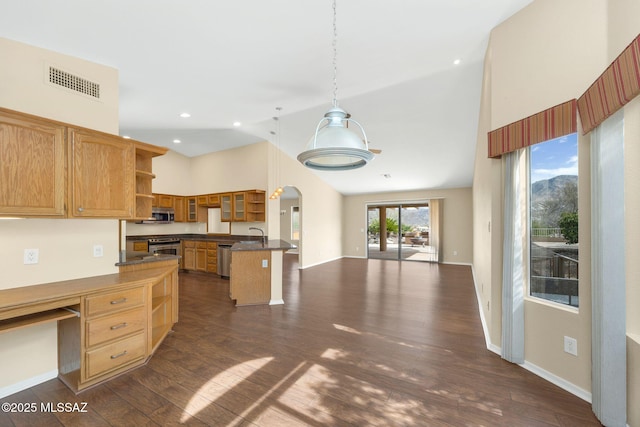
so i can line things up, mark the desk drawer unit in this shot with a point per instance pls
(96, 305)
(114, 326)
(115, 355)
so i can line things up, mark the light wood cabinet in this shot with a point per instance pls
(100, 175)
(165, 201)
(255, 206)
(179, 209)
(106, 324)
(192, 209)
(239, 209)
(201, 256)
(52, 169)
(144, 197)
(226, 207)
(253, 285)
(32, 166)
(189, 254)
(212, 257)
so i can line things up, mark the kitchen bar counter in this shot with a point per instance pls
(270, 245)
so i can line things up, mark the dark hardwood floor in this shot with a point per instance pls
(358, 342)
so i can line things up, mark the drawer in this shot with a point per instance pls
(113, 301)
(201, 245)
(113, 356)
(115, 326)
(189, 244)
(141, 246)
(212, 245)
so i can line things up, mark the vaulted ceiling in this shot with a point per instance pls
(228, 61)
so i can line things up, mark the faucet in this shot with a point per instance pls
(261, 231)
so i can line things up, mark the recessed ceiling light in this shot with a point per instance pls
(185, 115)
(456, 62)
(386, 175)
(176, 141)
(237, 124)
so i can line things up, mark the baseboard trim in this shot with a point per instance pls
(320, 263)
(28, 383)
(485, 328)
(276, 302)
(560, 382)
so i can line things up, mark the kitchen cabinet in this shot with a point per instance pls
(55, 170)
(239, 207)
(250, 281)
(192, 209)
(226, 207)
(201, 256)
(189, 254)
(212, 257)
(164, 307)
(100, 178)
(144, 197)
(165, 201)
(255, 206)
(32, 166)
(179, 209)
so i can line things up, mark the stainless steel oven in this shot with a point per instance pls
(164, 245)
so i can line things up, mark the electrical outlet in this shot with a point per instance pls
(31, 256)
(571, 345)
(98, 251)
(265, 263)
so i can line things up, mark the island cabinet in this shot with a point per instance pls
(106, 324)
(32, 166)
(200, 255)
(250, 280)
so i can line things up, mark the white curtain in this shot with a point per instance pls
(608, 273)
(514, 238)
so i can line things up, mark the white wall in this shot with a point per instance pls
(546, 54)
(65, 245)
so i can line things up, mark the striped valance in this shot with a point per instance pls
(548, 124)
(619, 84)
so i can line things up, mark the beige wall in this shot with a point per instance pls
(546, 54)
(65, 246)
(457, 235)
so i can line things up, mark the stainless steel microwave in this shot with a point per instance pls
(162, 216)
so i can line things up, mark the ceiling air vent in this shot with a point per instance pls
(75, 83)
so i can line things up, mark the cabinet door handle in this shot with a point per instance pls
(119, 301)
(119, 326)
(80, 209)
(115, 356)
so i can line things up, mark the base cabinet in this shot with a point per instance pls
(252, 284)
(117, 330)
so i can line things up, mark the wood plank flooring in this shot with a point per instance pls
(358, 342)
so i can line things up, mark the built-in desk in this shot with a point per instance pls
(106, 324)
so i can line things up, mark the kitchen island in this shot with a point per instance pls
(251, 264)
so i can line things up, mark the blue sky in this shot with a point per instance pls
(554, 157)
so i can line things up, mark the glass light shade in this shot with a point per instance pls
(335, 147)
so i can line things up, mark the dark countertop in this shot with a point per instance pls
(132, 257)
(270, 245)
(226, 238)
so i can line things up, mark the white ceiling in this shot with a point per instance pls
(226, 61)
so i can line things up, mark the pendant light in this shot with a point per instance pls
(278, 191)
(334, 146)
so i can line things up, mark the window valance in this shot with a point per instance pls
(548, 124)
(619, 84)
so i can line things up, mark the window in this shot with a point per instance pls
(553, 213)
(295, 223)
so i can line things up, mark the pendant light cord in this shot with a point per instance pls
(335, 57)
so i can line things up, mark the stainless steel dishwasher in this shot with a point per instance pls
(224, 260)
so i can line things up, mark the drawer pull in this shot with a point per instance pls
(115, 356)
(119, 326)
(119, 301)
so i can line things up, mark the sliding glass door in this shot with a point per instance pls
(400, 232)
